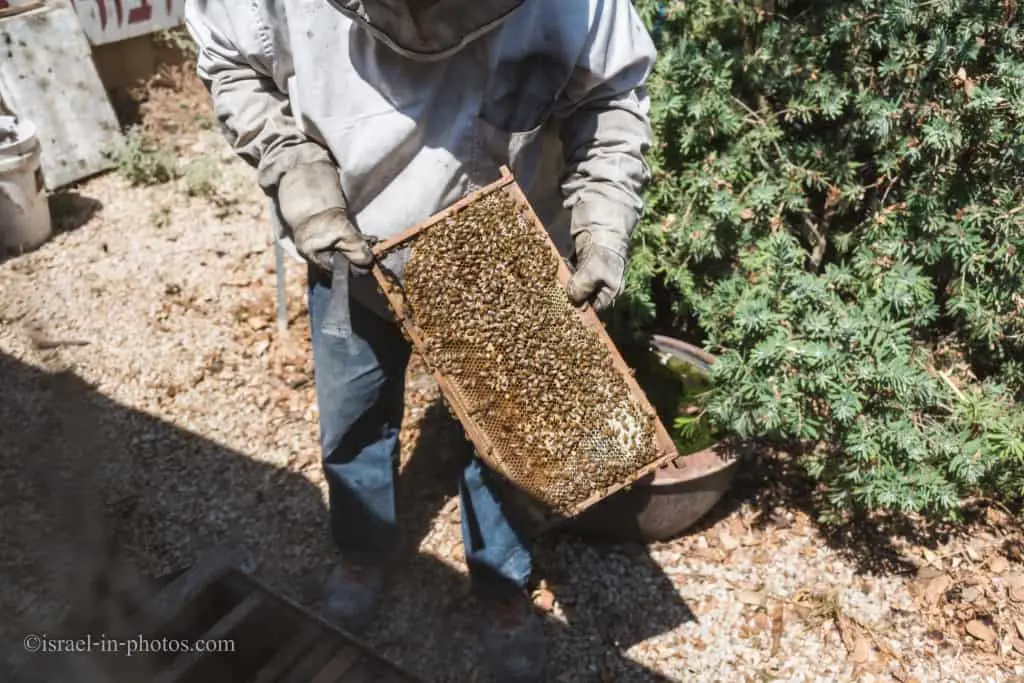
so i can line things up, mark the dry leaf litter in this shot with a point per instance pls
(186, 420)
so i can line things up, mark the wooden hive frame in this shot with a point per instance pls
(267, 637)
(665, 447)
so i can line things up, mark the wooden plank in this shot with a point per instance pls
(378, 672)
(387, 674)
(173, 597)
(365, 672)
(314, 660)
(186, 664)
(287, 655)
(375, 671)
(329, 631)
(344, 660)
(47, 77)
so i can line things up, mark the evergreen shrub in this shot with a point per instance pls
(837, 211)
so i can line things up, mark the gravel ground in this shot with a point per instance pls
(148, 396)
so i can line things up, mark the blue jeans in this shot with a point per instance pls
(360, 389)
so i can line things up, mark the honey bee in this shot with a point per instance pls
(483, 288)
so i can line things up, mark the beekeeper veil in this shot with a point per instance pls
(428, 29)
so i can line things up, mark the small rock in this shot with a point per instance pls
(749, 597)
(971, 594)
(762, 621)
(996, 517)
(998, 565)
(778, 626)
(1014, 549)
(937, 588)
(975, 580)
(980, 630)
(1015, 587)
(544, 599)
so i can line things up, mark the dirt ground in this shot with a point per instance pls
(152, 410)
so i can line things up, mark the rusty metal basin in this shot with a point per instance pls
(667, 502)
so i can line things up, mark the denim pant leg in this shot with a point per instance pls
(359, 387)
(499, 562)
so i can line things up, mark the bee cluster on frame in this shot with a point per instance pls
(483, 289)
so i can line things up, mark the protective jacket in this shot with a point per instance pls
(418, 107)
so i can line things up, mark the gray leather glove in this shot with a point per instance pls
(313, 207)
(600, 249)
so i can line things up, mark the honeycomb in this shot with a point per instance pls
(481, 287)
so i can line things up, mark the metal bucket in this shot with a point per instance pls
(672, 499)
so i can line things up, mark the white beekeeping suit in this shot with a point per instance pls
(418, 103)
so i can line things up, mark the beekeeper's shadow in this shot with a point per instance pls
(100, 498)
(89, 483)
(609, 597)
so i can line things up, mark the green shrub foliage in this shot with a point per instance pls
(837, 201)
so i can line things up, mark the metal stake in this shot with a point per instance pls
(282, 303)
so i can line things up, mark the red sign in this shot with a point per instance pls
(110, 21)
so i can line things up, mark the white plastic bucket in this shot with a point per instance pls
(24, 212)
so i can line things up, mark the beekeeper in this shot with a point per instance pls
(363, 118)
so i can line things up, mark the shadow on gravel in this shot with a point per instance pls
(773, 484)
(70, 210)
(97, 495)
(613, 596)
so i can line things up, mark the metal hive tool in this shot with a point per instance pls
(539, 386)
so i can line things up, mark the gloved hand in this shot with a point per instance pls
(600, 250)
(313, 207)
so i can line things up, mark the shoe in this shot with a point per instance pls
(351, 592)
(514, 646)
